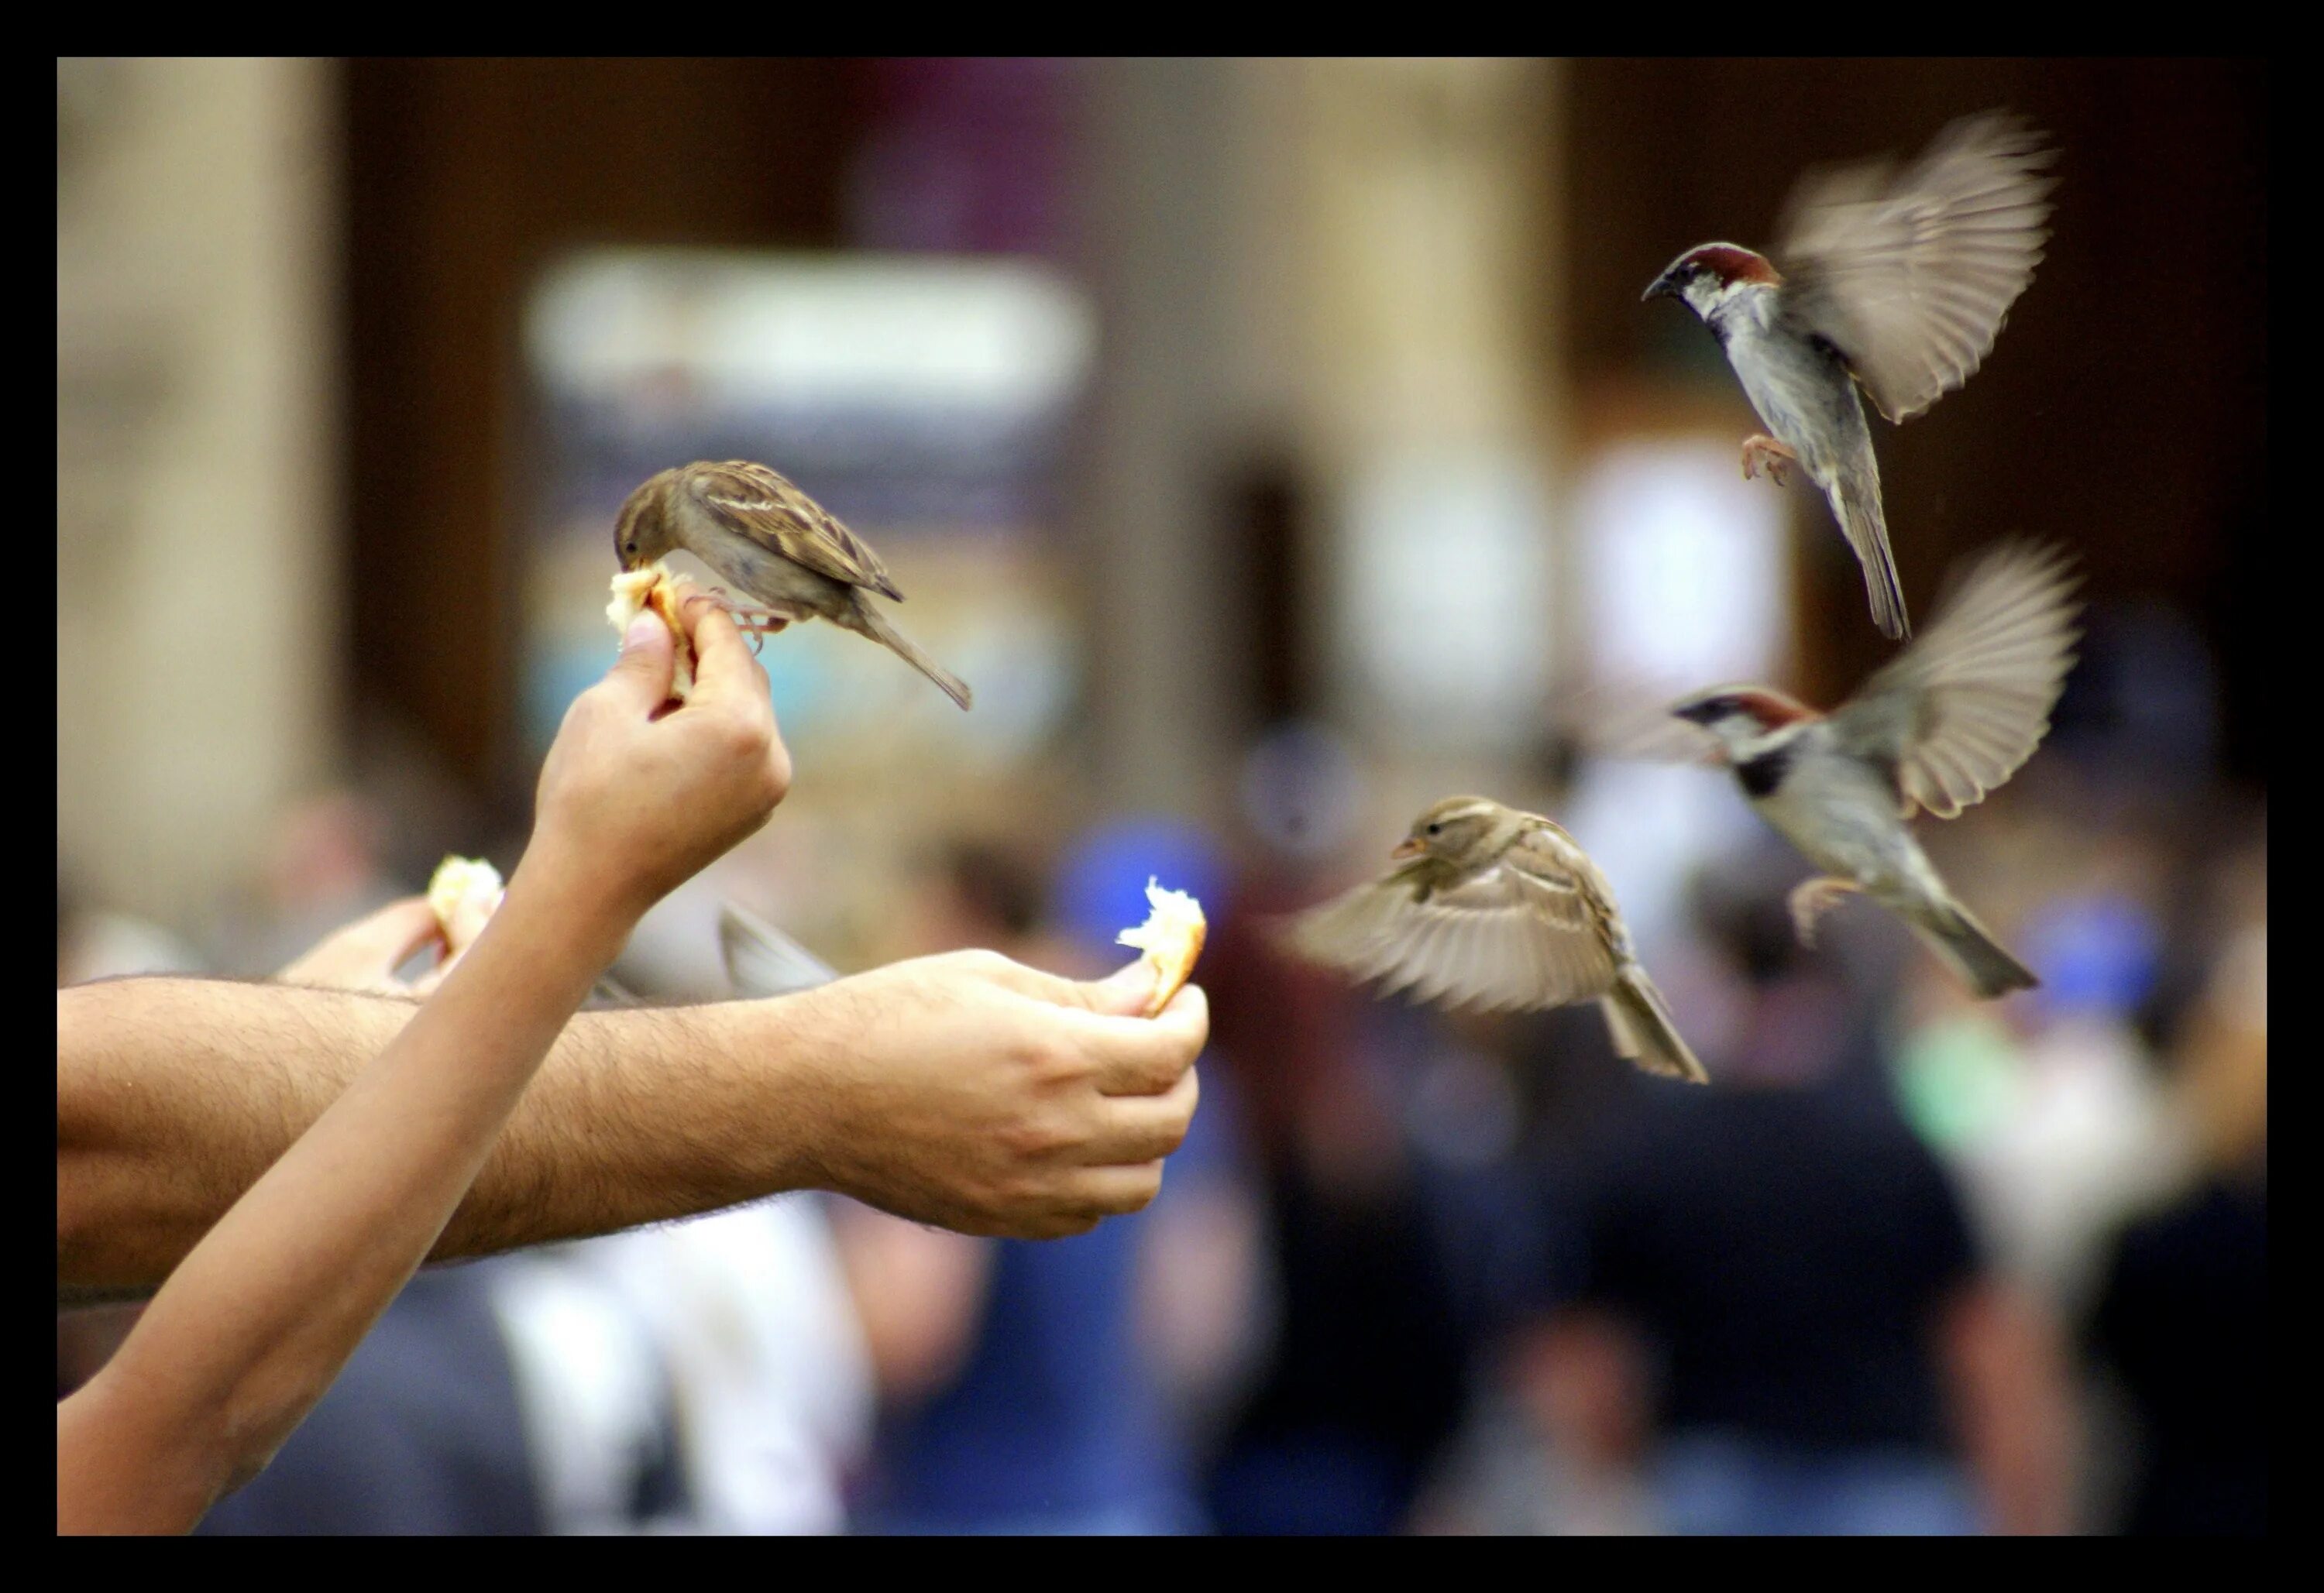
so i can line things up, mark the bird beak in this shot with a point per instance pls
(1405, 848)
(1661, 287)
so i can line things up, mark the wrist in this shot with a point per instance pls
(803, 1071)
(568, 909)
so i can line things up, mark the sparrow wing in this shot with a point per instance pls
(1511, 936)
(1910, 276)
(762, 961)
(1958, 711)
(766, 507)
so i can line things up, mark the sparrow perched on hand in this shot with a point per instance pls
(774, 543)
(1898, 284)
(1947, 721)
(1498, 909)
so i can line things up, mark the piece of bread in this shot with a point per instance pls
(1171, 937)
(654, 588)
(464, 891)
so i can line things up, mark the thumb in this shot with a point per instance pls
(649, 659)
(1123, 993)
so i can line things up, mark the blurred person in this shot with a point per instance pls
(1360, 1377)
(2181, 1305)
(1774, 1303)
(249, 1330)
(1046, 1389)
(2049, 1112)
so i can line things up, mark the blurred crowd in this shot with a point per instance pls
(1912, 1264)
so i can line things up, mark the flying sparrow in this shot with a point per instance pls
(1944, 723)
(1498, 909)
(774, 543)
(1897, 282)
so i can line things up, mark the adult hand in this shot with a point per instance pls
(634, 799)
(975, 1092)
(365, 954)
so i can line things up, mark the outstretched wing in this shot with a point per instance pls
(1910, 279)
(766, 507)
(1517, 935)
(1958, 712)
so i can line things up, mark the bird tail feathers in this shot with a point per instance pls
(870, 621)
(1643, 1031)
(1856, 500)
(1965, 946)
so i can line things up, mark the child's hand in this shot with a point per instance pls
(634, 800)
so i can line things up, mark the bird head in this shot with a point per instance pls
(1450, 830)
(641, 535)
(1706, 274)
(1742, 717)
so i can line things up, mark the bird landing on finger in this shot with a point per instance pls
(775, 545)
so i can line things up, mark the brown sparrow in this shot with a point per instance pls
(1946, 722)
(776, 544)
(1498, 909)
(1897, 283)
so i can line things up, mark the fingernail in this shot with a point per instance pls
(641, 631)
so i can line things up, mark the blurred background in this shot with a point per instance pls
(1276, 446)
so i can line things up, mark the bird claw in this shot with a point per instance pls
(753, 621)
(1811, 899)
(1765, 452)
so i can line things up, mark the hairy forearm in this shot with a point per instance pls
(174, 1096)
(256, 1322)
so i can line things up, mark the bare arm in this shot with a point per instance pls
(248, 1333)
(963, 1089)
(255, 1323)
(2012, 1406)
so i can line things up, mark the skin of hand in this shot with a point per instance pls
(365, 954)
(636, 803)
(173, 1096)
(254, 1324)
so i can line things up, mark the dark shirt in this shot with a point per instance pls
(1790, 1250)
(2182, 1319)
(420, 1433)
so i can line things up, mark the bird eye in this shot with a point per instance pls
(1436, 829)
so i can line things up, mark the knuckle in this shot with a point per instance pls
(1030, 1139)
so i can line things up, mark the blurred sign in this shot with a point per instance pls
(1445, 596)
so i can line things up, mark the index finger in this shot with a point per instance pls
(1145, 1055)
(724, 669)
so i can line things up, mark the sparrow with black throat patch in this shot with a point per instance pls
(1500, 911)
(1939, 727)
(1897, 283)
(775, 544)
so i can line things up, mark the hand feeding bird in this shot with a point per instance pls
(1897, 285)
(776, 545)
(1937, 728)
(1498, 909)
